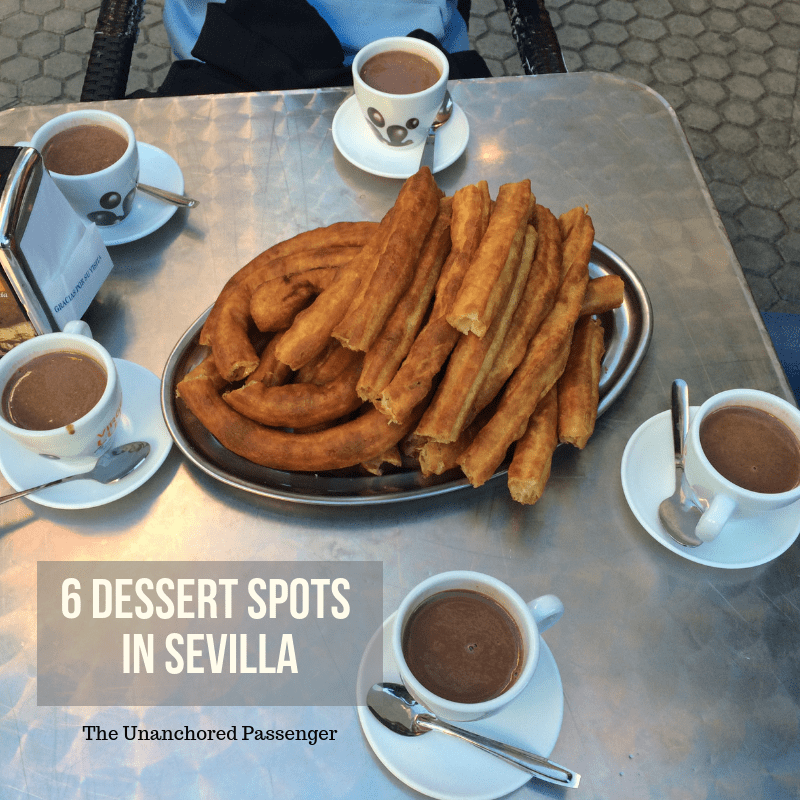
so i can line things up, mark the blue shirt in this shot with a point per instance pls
(355, 22)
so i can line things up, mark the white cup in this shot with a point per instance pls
(400, 120)
(104, 197)
(91, 435)
(725, 500)
(531, 619)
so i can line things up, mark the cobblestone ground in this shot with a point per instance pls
(729, 68)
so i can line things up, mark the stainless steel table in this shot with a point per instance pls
(680, 680)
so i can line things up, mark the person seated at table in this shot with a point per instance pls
(253, 45)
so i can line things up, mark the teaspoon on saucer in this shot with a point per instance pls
(429, 148)
(169, 197)
(678, 513)
(392, 705)
(111, 466)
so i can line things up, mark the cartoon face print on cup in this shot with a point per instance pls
(93, 158)
(399, 83)
(393, 135)
(113, 208)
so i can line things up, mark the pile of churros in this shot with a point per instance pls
(451, 334)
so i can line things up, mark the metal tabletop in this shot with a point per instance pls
(679, 679)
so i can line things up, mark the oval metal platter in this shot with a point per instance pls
(628, 331)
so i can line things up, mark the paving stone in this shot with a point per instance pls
(40, 7)
(719, 20)
(735, 138)
(728, 197)
(63, 20)
(684, 25)
(760, 18)
(609, 33)
(19, 25)
(616, 10)
(40, 44)
(715, 43)
(579, 14)
(21, 68)
(729, 167)
(672, 71)
(740, 112)
(706, 92)
(601, 57)
(702, 117)
(42, 90)
(63, 65)
(655, 9)
(8, 47)
(679, 47)
(761, 223)
(787, 281)
(639, 52)
(791, 214)
(766, 191)
(775, 162)
(710, 66)
(761, 258)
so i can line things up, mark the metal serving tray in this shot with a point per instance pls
(628, 332)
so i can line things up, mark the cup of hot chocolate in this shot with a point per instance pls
(60, 395)
(742, 457)
(400, 83)
(467, 645)
(93, 159)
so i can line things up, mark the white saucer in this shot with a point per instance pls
(359, 145)
(648, 476)
(141, 421)
(156, 168)
(444, 767)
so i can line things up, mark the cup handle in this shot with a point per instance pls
(546, 610)
(715, 517)
(79, 327)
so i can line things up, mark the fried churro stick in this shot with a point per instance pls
(414, 211)
(311, 329)
(339, 234)
(437, 338)
(366, 437)
(533, 453)
(579, 386)
(275, 303)
(603, 294)
(234, 352)
(270, 371)
(544, 359)
(489, 274)
(383, 359)
(303, 405)
(392, 457)
(540, 295)
(473, 357)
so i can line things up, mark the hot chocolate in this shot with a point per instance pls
(752, 449)
(463, 646)
(53, 390)
(399, 72)
(83, 149)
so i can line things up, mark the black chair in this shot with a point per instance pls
(118, 26)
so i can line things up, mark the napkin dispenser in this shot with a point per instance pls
(51, 263)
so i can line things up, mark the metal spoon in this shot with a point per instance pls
(110, 467)
(679, 513)
(442, 116)
(170, 197)
(397, 710)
